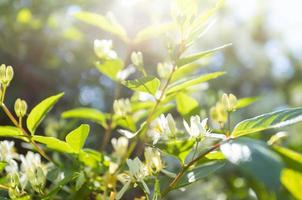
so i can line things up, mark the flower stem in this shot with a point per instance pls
(186, 167)
(28, 136)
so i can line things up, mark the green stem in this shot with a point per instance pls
(15, 122)
(195, 150)
(229, 124)
(186, 167)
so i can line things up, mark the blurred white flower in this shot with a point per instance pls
(7, 151)
(154, 162)
(103, 49)
(138, 170)
(162, 127)
(125, 73)
(122, 107)
(120, 146)
(33, 170)
(197, 128)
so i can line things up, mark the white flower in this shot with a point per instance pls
(154, 163)
(123, 74)
(122, 107)
(198, 129)
(33, 171)
(137, 169)
(162, 127)
(7, 151)
(120, 146)
(103, 49)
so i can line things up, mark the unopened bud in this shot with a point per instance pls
(6, 74)
(219, 114)
(20, 107)
(137, 59)
(229, 102)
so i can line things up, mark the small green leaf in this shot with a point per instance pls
(76, 138)
(11, 131)
(185, 70)
(178, 86)
(90, 157)
(192, 58)
(53, 143)
(185, 104)
(111, 26)
(147, 84)
(244, 102)
(177, 148)
(110, 68)
(292, 181)
(198, 173)
(271, 120)
(81, 179)
(86, 113)
(153, 31)
(256, 159)
(38, 112)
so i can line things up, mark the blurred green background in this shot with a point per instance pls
(51, 51)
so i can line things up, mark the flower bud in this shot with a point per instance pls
(219, 113)
(153, 160)
(6, 74)
(229, 102)
(2, 73)
(20, 107)
(137, 59)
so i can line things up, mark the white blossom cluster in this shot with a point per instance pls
(29, 174)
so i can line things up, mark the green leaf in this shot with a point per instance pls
(53, 143)
(183, 71)
(292, 181)
(73, 143)
(292, 158)
(178, 86)
(149, 84)
(2, 166)
(86, 113)
(244, 102)
(76, 138)
(11, 131)
(81, 179)
(197, 56)
(185, 104)
(198, 173)
(177, 148)
(271, 120)
(111, 26)
(153, 31)
(110, 68)
(256, 159)
(90, 157)
(38, 112)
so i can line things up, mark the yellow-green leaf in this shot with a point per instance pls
(76, 138)
(86, 113)
(38, 112)
(53, 143)
(185, 104)
(110, 68)
(153, 31)
(149, 84)
(271, 120)
(292, 181)
(185, 84)
(197, 56)
(244, 102)
(102, 22)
